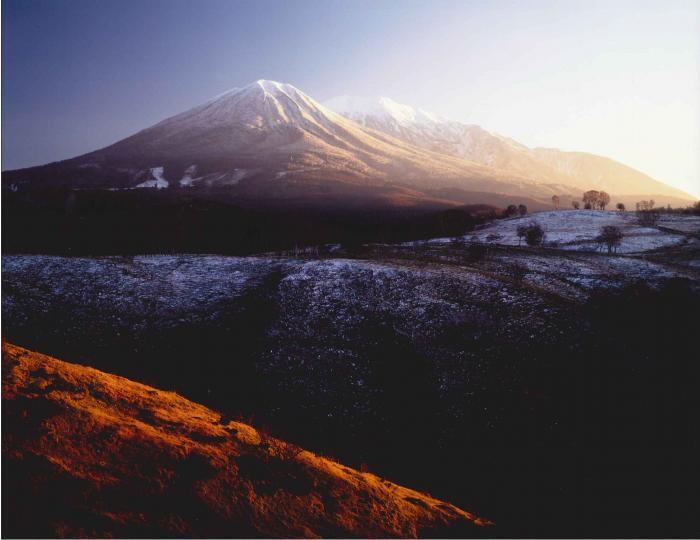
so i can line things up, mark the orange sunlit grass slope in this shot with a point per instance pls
(86, 453)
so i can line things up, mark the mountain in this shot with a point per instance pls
(88, 454)
(269, 140)
(577, 171)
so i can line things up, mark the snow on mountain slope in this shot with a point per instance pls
(289, 145)
(574, 171)
(279, 127)
(278, 132)
(361, 109)
(157, 181)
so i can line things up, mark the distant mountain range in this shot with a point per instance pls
(269, 140)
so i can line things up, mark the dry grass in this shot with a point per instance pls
(94, 454)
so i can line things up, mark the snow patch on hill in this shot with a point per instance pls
(578, 229)
(158, 181)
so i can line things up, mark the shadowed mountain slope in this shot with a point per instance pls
(92, 454)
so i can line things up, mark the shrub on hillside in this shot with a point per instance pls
(534, 234)
(510, 211)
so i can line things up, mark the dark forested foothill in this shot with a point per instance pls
(100, 222)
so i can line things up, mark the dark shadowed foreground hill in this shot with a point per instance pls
(91, 454)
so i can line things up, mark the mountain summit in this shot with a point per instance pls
(363, 110)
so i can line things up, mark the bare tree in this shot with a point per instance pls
(620, 207)
(647, 218)
(590, 199)
(610, 236)
(576, 205)
(555, 201)
(521, 232)
(522, 209)
(603, 200)
(645, 205)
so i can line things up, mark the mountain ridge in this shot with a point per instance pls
(267, 138)
(577, 170)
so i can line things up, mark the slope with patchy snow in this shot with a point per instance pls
(578, 229)
(158, 181)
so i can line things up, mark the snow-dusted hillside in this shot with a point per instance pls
(578, 229)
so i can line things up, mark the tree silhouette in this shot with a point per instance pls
(590, 199)
(610, 236)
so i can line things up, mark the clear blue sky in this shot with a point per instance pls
(619, 78)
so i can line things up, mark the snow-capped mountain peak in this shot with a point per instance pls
(360, 109)
(271, 131)
(260, 106)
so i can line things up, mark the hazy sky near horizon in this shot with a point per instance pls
(619, 78)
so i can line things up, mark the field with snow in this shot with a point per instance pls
(577, 230)
(295, 311)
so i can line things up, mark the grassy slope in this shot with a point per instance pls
(93, 454)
